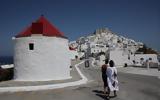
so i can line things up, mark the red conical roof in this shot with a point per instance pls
(41, 26)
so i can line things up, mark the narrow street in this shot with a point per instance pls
(132, 87)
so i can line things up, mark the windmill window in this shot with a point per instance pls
(31, 46)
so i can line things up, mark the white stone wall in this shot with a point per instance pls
(117, 57)
(102, 60)
(48, 61)
(120, 57)
(146, 57)
(73, 54)
(7, 66)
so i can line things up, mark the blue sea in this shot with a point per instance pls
(6, 60)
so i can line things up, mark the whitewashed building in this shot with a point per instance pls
(124, 56)
(97, 48)
(141, 59)
(41, 53)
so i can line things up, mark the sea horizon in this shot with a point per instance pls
(6, 60)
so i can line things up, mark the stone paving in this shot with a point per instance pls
(132, 87)
(140, 71)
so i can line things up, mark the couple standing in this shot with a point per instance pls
(109, 76)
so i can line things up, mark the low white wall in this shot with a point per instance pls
(7, 66)
(80, 54)
(72, 54)
(48, 61)
(146, 57)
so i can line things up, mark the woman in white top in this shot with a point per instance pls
(112, 78)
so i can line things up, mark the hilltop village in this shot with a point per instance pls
(104, 43)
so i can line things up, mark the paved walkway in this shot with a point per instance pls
(14, 86)
(140, 71)
(132, 87)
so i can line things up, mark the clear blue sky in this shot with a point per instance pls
(136, 19)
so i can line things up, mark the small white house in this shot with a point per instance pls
(41, 53)
(143, 58)
(97, 48)
(122, 57)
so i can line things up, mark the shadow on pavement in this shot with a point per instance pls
(98, 91)
(102, 95)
